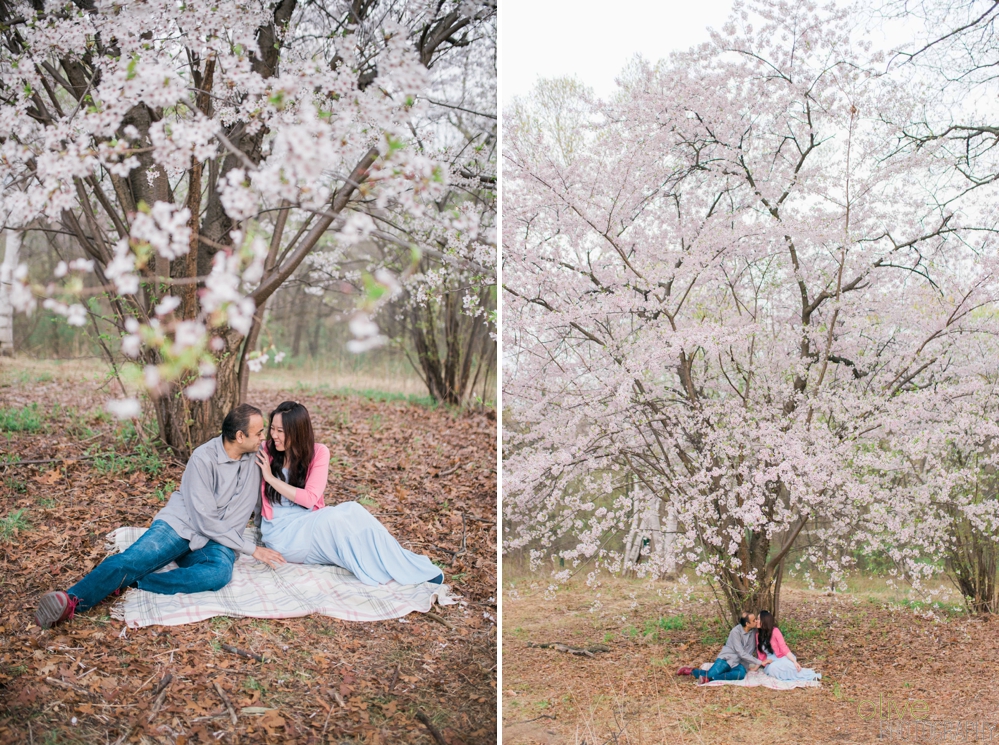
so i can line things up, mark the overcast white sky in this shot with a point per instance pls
(594, 41)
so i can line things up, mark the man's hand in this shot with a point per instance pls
(269, 556)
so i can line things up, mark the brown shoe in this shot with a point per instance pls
(55, 607)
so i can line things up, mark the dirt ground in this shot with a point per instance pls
(893, 669)
(418, 469)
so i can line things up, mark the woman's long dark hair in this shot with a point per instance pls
(299, 447)
(766, 631)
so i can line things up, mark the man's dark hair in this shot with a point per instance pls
(744, 619)
(238, 420)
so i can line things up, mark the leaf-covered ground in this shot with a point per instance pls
(419, 470)
(939, 675)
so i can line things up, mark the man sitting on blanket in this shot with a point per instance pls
(737, 656)
(200, 528)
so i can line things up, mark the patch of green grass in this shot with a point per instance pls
(367, 501)
(713, 633)
(14, 523)
(15, 671)
(24, 419)
(666, 661)
(144, 458)
(46, 503)
(672, 623)
(795, 633)
(920, 605)
(221, 623)
(690, 724)
(459, 576)
(252, 684)
(661, 624)
(608, 637)
(111, 462)
(629, 631)
(18, 487)
(164, 491)
(70, 420)
(387, 396)
(25, 377)
(148, 460)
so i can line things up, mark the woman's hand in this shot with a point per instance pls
(264, 461)
(797, 666)
(269, 556)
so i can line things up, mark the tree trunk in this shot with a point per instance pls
(296, 344)
(13, 241)
(448, 376)
(973, 565)
(316, 330)
(764, 594)
(422, 324)
(185, 424)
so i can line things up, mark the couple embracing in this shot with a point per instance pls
(754, 644)
(281, 476)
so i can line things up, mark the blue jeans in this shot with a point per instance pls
(721, 670)
(208, 568)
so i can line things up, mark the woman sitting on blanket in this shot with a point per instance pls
(774, 653)
(297, 524)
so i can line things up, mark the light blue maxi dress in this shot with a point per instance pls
(783, 669)
(348, 536)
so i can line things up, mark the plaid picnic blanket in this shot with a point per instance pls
(258, 591)
(756, 678)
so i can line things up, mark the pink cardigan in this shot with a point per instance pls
(778, 643)
(315, 484)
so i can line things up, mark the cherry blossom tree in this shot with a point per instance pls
(442, 312)
(198, 153)
(942, 497)
(955, 49)
(746, 290)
